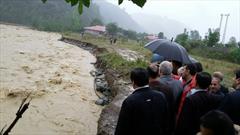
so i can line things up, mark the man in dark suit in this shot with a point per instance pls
(231, 103)
(220, 76)
(155, 84)
(216, 123)
(165, 72)
(197, 103)
(215, 87)
(144, 112)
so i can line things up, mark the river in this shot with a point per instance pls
(57, 76)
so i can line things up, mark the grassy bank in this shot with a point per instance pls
(111, 58)
(104, 42)
(119, 64)
(211, 65)
(114, 60)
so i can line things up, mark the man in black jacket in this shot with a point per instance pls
(155, 84)
(215, 87)
(197, 103)
(144, 112)
(231, 103)
(220, 76)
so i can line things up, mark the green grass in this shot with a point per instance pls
(104, 42)
(112, 58)
(212, 65)
(115, 61)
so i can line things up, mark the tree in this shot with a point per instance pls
(212, 38)
(112, 28)
(185, 31)
(182, 39)
(161, 35)
(235, 55)
(232, 42)
(130, 34)
(86, 3)
(96, 21)
(140, 36)
(194, 35)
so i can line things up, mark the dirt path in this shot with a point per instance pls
(58, 76)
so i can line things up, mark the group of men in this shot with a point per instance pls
(166, 104)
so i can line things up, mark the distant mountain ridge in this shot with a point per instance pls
(111, 13)
(57, 15)
(54, 15)
(156, 24)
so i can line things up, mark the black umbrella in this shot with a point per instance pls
(193, 60)
(169, 50)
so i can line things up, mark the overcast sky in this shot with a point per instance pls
(196, 14)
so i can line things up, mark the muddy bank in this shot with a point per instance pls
(120, 89)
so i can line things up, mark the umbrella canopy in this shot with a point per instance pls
(193, 60)
(169, 50)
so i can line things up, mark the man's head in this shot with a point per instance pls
(216, 123)
(203, 80)
(189, 71)
(176, 65)
(139, 77)
(199, 67)
(180, 71)
(153, 71)
(165, 68)
(236, 82)
(215, 85)
(218, 75)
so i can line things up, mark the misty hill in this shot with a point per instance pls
(112, 13)
(156, 24)
(57, 15)
(54, 15)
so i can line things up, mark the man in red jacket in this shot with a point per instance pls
(197, 103)
(189, 79)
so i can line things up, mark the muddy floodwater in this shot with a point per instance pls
(57, 76)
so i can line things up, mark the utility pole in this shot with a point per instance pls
(220, 25)
(225, 29)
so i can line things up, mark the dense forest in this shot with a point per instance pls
(210, 45)
(55, 15)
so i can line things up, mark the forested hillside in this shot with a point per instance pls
(55, 15)
(117, 15)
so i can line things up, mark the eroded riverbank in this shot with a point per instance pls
(120, 88)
